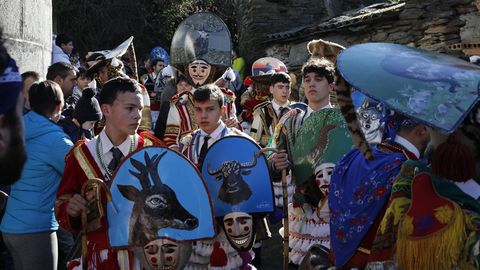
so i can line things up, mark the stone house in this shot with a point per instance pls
(448, 26)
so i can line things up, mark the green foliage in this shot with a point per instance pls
(103, 24)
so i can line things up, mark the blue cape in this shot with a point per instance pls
(358, 190)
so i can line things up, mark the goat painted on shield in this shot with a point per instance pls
(234, 189)
(156, 206)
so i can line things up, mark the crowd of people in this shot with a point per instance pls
(408, 201)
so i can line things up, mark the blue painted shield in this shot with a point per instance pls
(157, 193)
(435, 89)
(237, 177)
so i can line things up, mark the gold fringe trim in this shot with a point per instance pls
(441, 250)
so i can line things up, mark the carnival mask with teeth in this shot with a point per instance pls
(239, 230)
(165, 254)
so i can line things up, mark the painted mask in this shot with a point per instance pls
(199, 72)
(323, 173)
(167, 254)
(239, 230)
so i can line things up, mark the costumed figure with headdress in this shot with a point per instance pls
(108, 65)
(153, 215)
(363, 221)
(446, 193)
(267, 113)
(237, 177)
(149, 79)
(310, 136)
(315, 148)
(201, 52)
(153, 81)
(258, 88)
(217, 252)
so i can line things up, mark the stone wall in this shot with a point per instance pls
(256, 18)
(27, 27)
(430, 25)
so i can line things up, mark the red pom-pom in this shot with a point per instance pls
(248, 81)
(218, 257)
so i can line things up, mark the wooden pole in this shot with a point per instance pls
(286, 230)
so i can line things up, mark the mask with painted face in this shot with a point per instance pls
(323, 174)
(239, 230)
(166, 254)
(201, 48)
(199, 71)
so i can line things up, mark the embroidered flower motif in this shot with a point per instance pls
(380, 191)
(388, 168)
(359, 192)
(361, 219)
(340, 235)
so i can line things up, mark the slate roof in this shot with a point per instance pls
(352, 20)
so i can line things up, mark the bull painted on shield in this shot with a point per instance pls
(234, 189)
(237, 177)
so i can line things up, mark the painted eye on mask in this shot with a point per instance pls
(169, 248)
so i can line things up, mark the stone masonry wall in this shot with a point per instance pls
(430, 25)
(27, 28)
(256, 18)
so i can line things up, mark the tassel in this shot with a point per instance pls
(218, 257)
(441, 250)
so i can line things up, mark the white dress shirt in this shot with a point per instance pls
(310, 110)
(106, 146)
(276, 107)
(408, 145)
(214, 136)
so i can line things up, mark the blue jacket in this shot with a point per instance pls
(30, 205)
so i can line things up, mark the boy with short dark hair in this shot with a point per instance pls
(209, 104)
(267, 114)
(209, 107)
(62, 49)
(66, 76)
(121, 104)
(318, 81)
